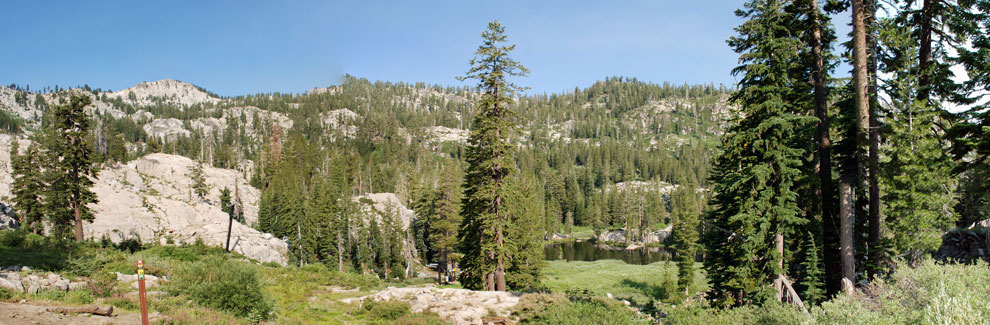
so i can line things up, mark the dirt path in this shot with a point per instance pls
(32, 313)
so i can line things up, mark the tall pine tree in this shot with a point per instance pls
(755, 206)
(71, 168)
(491, 162)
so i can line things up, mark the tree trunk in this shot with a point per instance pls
(925, 52)
(340, 253)
(830, 234)
(79, 223)
(847, 203)
(778, 283)
(861, 86)
(500, 269)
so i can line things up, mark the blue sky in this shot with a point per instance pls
(244, 47)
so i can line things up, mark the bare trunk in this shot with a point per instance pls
(861, 86)
(79, 223)
(500, 269)
(847, 203)
(778, 283)
(925, 52)
(829, 228)
(340, 253)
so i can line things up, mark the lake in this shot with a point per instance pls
(589, 251)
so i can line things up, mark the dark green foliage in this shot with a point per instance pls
(755, 175)
(70, 167)
(225, 200)
(524, 236)
(686, 213)
(28, 186)
(197, 179)
(490, 161)
(812, 283)
(222, 284)
(917, 181)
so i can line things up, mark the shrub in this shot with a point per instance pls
(102, 284)
(5, 294)
(386, 310)
(185, 254)
(222, 284)
(122, 303)
(81, 297)
(12, 238)
(593, 311)
(928, 294)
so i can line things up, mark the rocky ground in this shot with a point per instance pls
(460, 306)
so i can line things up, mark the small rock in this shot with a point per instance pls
(13, 268)
(609, 295)
(78, 286)
(626, 302)
(33, 289)
(62, 285)
(25, 269)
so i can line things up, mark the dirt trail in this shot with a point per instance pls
(32, 313)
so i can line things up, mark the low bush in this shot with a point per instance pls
(122, 303)
(5, 294)
(222, 284)
(102, 284)
(80, 297)
(590, 311)
(386, 310)
(928, 294)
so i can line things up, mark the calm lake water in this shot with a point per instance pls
(588, 251)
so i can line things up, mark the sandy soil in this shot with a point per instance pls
(34, 313)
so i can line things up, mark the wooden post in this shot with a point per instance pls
(230, 225)
(141, 293)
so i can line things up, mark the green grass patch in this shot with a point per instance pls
(640, 284)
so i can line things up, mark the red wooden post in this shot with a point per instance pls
(141, 293)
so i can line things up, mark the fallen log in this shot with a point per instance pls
(95, 310)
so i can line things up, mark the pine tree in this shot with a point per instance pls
(70, 168)
(814, 292)
(524, 236)
(755, 206)
(917, 181)
(198, 180)
(490, 158)
(28, 186)
(446, 217)
(225, 200)
(685, 233)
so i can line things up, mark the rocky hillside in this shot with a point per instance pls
(165, 92)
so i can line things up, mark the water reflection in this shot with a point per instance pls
(589, 251)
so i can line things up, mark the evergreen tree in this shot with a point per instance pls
(685, 233)
(197, 178)
(490, 158)
(28, 186)
(755, 206)
(70, 168)
(225, 200)
(812, 283)
(524, 235)
(917, 182)
(446, 217)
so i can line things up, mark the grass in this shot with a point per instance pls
(639, 284)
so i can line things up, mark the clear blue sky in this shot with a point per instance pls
(242, 47)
